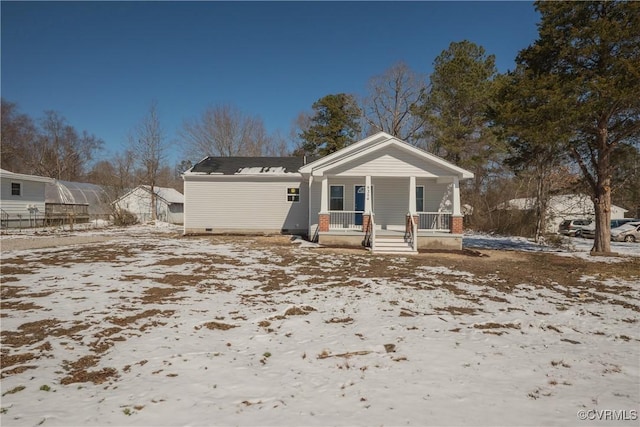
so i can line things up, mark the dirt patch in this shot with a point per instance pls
(216, 326)
(47, 242)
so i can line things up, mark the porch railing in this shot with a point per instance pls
(434, 221)
(345, 220)
(4, 219)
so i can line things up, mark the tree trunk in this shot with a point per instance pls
(602, 191)
(602, 207)
(154, 214)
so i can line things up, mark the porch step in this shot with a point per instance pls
(388, 245)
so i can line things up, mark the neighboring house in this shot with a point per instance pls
(380, 191)
(567, 206)
(22, 199)
(169, 204)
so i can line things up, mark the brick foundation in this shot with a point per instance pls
(456, 225)
(323, 222)
(407, 228)
(366, 219)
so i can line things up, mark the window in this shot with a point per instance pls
(336, 201)
(420, 198)
(293, 194)
(16, 189)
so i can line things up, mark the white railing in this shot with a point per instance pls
(345, 220)
(434, 221)
(372, 228)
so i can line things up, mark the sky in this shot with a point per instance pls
(102, 64)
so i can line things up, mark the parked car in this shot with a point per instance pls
(629, 232)
(589, 232)
(573, 227)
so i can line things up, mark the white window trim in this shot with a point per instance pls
(343, 195)
(19, 189)
(420, 210)
(293, 195)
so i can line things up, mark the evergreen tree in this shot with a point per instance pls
(334, 125)
(456, 108)
(588, 61)
(525, 120)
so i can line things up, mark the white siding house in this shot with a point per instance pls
(22, 199)
(561, 207)
(380, 192)
(169, 204)
(246, 195)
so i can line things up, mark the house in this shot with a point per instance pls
(169, 204)
(380, 191)
(561, 207)
(22, 199)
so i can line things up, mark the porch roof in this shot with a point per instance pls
(375, 143)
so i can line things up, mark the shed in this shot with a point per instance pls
(169, 204)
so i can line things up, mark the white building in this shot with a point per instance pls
(22, 199)
(561, 207)
(377, 189)
(169, 204)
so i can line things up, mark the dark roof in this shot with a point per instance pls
(231, 165)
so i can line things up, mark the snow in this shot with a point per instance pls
(259, 170)
(315, 337)
(575, 247)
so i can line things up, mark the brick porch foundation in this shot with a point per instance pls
(323, 222)
(456, 225)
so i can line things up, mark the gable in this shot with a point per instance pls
(389, 161)
(384, 155)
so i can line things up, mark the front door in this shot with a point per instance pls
(359, 203)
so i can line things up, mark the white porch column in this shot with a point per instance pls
(457, 211)
(412, 195)
(324, 196)
(368, 205)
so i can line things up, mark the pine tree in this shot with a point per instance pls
(588, 61)
(334, 125)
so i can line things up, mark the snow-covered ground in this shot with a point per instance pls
(149, 328)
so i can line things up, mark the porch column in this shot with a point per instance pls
(456, 217)
(368, 206)
(324, 195)
(323, 216)
(412, 195)
(412, 205)
(456, 197)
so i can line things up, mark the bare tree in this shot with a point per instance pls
(16, 136)
(148, 146)
(225, 131)
(116, 176)
(55, 149)
(392, 98)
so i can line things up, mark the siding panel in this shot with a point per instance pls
(258, 205)
(391, 162)
(32, 194)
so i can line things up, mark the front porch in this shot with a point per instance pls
(388, 213)
(383, 192)
(426, 239)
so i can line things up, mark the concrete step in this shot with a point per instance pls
(390, 245)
